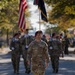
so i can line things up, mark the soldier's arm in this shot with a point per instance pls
(46, 56)
(31, 39)
(61, 49)
(29, 53)
(22, 40)
(12, 45)
(50, 47)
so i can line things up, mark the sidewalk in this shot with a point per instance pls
(68, 57)
(71, 50)
(4, 50)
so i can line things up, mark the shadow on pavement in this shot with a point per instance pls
(66, 67)
(7, 69)
(5, 56)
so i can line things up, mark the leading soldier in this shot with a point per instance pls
(38, 54)
(15, 53)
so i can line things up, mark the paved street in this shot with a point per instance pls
(66, 67)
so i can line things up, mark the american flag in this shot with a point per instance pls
(22, 8)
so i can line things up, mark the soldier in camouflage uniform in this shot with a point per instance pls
(38, 55)
(25, 41)
(55, 49)
(15, 53)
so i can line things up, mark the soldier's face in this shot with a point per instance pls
(17, 36)
(39, 36)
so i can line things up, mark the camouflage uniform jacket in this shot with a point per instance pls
(55, 47)
(38, 51)
(25, 41)
(15, 45)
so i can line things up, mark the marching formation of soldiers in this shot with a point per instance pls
(19, 46)
(36, 52)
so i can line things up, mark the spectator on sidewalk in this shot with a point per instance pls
(74, 42)
(66, 45)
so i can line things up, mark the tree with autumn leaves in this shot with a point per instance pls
(62, 13)
(9, 14)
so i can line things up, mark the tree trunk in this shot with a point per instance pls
(7, 37)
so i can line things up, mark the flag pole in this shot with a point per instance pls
(39, 21)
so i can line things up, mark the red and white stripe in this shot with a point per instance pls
(22, 8)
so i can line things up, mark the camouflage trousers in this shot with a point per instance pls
(38, 69)
(15, 58)
(38, 72)
(24, 55)
(55, 62)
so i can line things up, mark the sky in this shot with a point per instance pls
(35, 16)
